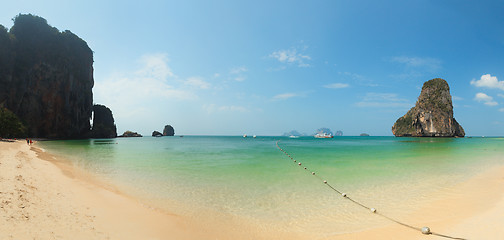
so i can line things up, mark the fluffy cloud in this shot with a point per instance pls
(487, 100)
(197, 82)
(237, 73)
(291, 56)
(150, 80)
(337, 85)
(285, 96)
(489, 82)
(238, 70)
(135, 93)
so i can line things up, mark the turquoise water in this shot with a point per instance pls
(252, 180)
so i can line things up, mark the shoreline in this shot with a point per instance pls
(48, 199)
(42, 200)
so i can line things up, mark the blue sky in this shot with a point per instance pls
(268, 67)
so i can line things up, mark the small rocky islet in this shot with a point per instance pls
(432, 115)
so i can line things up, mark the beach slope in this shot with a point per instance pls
(39, 200)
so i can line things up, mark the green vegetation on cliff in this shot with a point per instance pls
(10, 125)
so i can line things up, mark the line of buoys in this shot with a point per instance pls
(423, 230)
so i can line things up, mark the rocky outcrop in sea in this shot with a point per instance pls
(46, 78)
(103, 123)
(432, 116)
(131, 134)
(168, 131)
(157, 134)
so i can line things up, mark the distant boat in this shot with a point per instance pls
(292, 136)
(323, 135)
(254, 136)
(244, 135)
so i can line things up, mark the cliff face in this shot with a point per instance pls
(103, 123)
(46, 78)
(432, 116)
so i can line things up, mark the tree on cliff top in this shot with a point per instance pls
(10, 125)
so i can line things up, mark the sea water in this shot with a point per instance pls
(251, 179)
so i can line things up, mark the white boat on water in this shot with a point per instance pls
(323, 135)
(292, 136)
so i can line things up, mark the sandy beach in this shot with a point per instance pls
(43, 199)
(40, 200)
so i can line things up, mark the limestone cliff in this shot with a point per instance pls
(103, 123)
(432, 116)
(46, 78)
(168, 131)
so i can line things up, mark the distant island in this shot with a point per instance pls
(432, 116)
(293, 133)
(168, 131)
(131, 134)
(364, 135)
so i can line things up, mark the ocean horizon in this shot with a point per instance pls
(252, 181)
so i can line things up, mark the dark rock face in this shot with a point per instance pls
(432, 116)
(157, 134)
(131, 134)
(46, 78)
(103, 123)
(168, 131)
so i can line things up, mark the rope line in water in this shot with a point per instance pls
(423, 230)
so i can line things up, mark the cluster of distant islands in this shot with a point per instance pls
(321, 133)
(46, 81)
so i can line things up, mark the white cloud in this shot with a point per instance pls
(239, 78)
(501, 110)
(130, 93)
(197, 82)
(429, 63)
(291, 56)
(487, 100)
(212, 108)
(500, 95)
(488, 81)
(150, 80)
(238, 70)
(354, 76)
(233, 108)
(154, 66)
(384, 100)
(285, 96)
(337, 85)
(237, 73)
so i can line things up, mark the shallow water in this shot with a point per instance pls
(250, 178)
